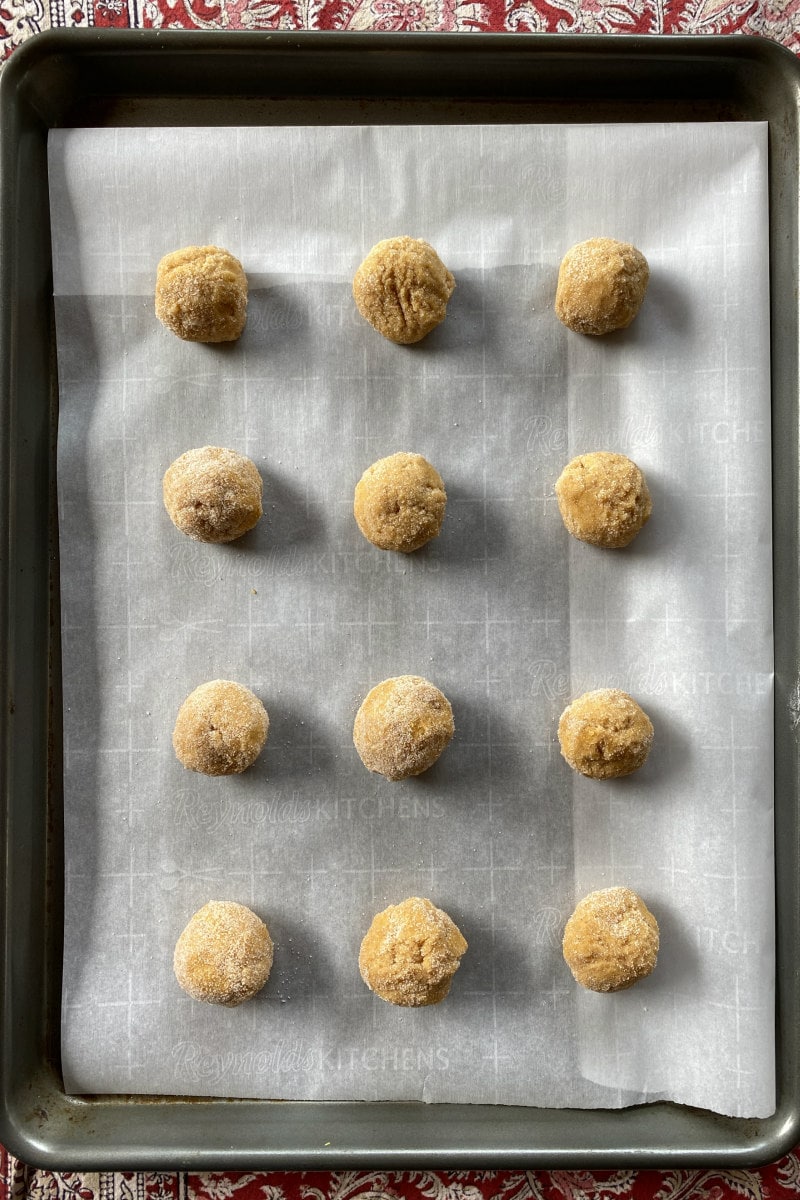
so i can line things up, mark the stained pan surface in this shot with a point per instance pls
(141, 78)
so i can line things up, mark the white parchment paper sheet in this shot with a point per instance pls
(506, 613)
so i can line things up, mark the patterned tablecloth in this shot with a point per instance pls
(778, 19)
(777, 1182)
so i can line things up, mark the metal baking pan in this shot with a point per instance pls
(145, 78)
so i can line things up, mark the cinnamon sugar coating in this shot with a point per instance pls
(601, 285)
(399, 502)
(603, 499)
(224, 955)
(611, 940)
(402, 727)
(220, 729)
(201, 294)
(213, 494)
(402, 288)
(605, 734)
(410, 953)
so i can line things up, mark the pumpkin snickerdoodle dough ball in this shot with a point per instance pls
(611, 940)
(399, 502)
(402, 727)
(224, 955)
(213, 494)
(201, 294)
(410, 953)
(605, 734)
(402, 288)
(601, 286)
(220, 729)
(603, 499)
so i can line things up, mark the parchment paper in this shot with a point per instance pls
(505, 612)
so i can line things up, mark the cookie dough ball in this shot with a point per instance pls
(221, 728)
(611, 940)
(402, 727)
(410, 953)
(213, 494)
(601, 285)
(605, 734)
(224, 955)
(603, 499)
(399, 502)
(201, 294)
(402, 288)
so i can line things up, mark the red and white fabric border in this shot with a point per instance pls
(777, 19)
(780, 1181)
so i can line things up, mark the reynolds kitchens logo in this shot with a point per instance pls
(225, 812)
(549, 681)
(209, 816)
(196, 1064)
(545, 436)
(195, 565)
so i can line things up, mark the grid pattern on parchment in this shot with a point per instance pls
(502, 612)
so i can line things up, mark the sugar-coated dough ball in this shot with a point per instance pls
(402, 288)
(601, 285)
(603, 499)
(605, 734)
(611, 940)
(224, 955)
(402, 727)
(399, 502)
(201, 294)
(220, 729)
(410, 953)
(213, 494)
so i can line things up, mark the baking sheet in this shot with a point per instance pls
(503, 612)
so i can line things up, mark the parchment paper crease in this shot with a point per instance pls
(507, 614)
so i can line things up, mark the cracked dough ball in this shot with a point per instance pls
(399, 502)
(201, 294)
(224, 955)
(601, 285)
(402, 288)
(603, 499)
(220, 729)
(402, 727)
(611, 940)
(213, 494)
(410, 953)
(605, 734)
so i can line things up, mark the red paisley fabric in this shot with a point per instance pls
(778, 19)
(777, 1182)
